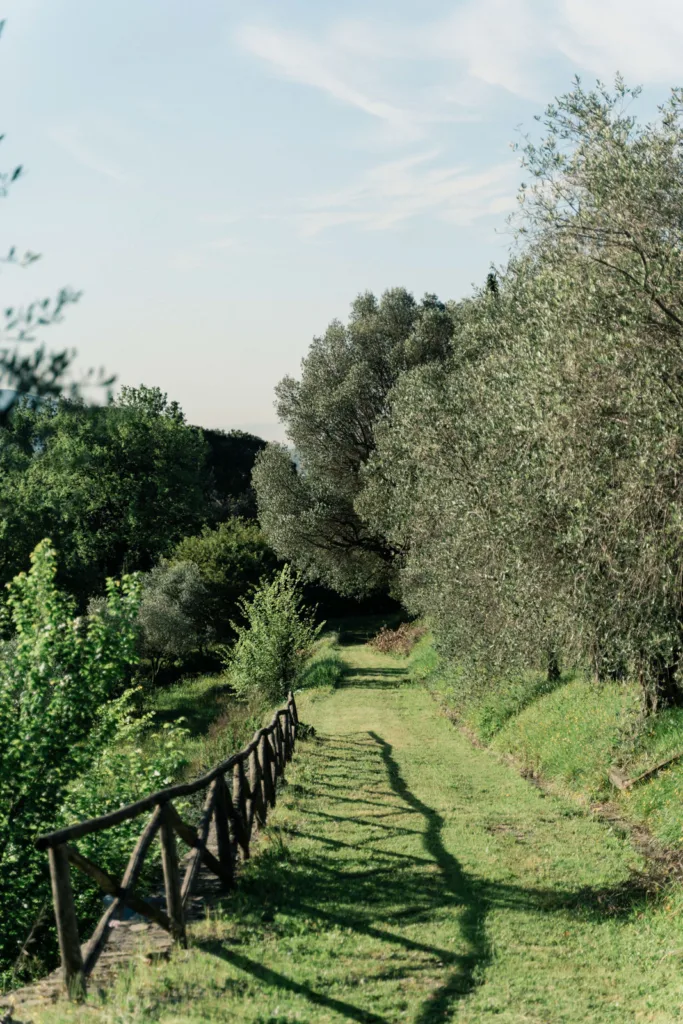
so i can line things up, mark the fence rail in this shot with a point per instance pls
(255, 771)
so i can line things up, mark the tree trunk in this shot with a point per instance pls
(553, 667)
(659, 684)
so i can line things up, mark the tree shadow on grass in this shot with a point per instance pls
(389, 899)
(375, 898)
(269, 977)
(373, 678)
(467, 893)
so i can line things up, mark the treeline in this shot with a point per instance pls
(116, 487)
(511, 465)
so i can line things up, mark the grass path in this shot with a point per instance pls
(407, 876)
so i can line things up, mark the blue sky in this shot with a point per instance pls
(220, 178)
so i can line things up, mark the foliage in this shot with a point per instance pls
(231, 559)
(117, 486)
(532, 481)
(273, 644)
(172, 612)
(129, 762)
(230, 462)
(306, 506)
(54, 680)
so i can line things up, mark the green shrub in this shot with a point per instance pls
(231, 559)
(130, 763)
(171, 613)
(273, 646)
(55, 677)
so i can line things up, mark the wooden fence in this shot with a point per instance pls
(255, 771)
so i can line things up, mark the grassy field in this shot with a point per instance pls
(408, 876)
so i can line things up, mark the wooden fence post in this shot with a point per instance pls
(280, 742)
(256, 784)
(225, 855)
(67, 925)
(266, 778)
(169, 860)
(287, 733)
(239, 803)
(271, 753)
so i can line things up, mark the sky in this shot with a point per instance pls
(220, 179)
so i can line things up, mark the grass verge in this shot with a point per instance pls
(571, 733)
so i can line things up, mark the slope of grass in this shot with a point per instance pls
(407, 876)
(325, 668)
(571, 733)
(218, 724)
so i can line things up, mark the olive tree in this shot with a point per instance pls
(306, 502)
(172, 613)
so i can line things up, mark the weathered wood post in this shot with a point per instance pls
(225, 855)
(67, 925)
(287, 735)
(239, 802)
(256, 787)
(266, 778)
(291, 704)
(169, 860)
(280, 745)
(271, 752)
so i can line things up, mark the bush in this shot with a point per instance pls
(398, 641)
(230, 559)
(273, 645)
(54, 678)
(130, 763)
(171, 613)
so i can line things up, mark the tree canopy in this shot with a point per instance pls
(115, 486)
(306, 503)
(533, 481)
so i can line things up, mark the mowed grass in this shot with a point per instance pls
(407, 876)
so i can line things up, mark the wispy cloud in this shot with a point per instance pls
(515, 44)
(510, 44)
(316, 64)
(71, 139)
(395, 192)
(417, 74)
(494, 42)
(643, 40)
